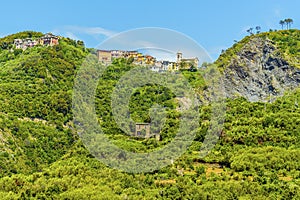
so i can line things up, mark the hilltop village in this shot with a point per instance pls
(107, 56)
(46, 40)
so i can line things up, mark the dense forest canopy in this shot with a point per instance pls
(42, 157)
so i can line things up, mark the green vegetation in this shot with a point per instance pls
(257, 156)
(35, 98)
(7, 42)
(288, 44)
(286, 41)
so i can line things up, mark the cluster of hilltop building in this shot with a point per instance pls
(46, 40)
(107, 56)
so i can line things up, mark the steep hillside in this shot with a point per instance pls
(41, 157)
(7, 42)
(35, 102)
(263, 66)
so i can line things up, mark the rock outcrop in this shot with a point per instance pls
(258, 72)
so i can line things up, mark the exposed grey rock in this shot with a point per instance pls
(259, 73)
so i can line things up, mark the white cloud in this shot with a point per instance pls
(78, 32)
(163, 42)
(215, 52)
(90, 30)
(277, 12)
(159, 54)
(72, 36)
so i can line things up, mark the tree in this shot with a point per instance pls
(282, 22)
(258, 28)
(288, 22)
(183, 65)
(250, 31)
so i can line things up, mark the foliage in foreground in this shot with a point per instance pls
(257, 156)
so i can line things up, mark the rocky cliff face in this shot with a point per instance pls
(258, 72)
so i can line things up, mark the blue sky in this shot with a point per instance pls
(213, 24)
